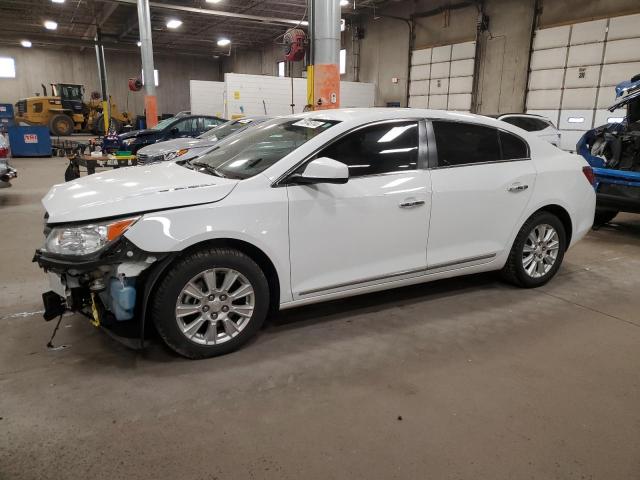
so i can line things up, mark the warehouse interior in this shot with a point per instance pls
(464, 377)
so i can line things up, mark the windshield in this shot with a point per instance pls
(164, 123)
(224, 130)
(246, 155)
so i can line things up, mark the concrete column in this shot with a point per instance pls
(146, 49)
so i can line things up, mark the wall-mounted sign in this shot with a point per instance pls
(30, 138)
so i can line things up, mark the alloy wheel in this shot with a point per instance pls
(540, 250)
(215, 306)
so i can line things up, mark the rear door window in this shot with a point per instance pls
(461, 143)
(465, 143)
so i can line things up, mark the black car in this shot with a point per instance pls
(174, 127)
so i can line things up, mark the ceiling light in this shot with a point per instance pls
(213, 1)
(50, 25)
(174, 23)
(57, 1)
(25, 43)
(139, 43)
(223, 42)
(304, 22)
(344, 3)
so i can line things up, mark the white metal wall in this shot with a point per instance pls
(253, 94)
(442, 77)
(574, 69)
(206, 98)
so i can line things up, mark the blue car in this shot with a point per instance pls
(613, 150)
(180, 126)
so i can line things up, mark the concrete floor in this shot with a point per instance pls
(459, 379)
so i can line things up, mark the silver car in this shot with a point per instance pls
(188, 148)
(540, 126)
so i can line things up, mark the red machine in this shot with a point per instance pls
(294, 45)
(135, 84)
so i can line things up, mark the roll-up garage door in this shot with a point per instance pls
(442, 77)
(574, 69)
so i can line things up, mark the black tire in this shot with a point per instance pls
(604, 216)
(163, 302)
(98, 126)
(61, 125)
(514, 270)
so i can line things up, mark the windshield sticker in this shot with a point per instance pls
(308, 123)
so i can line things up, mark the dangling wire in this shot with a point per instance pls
(50, 345)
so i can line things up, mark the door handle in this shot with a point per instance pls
(517, 187)
(414, 203)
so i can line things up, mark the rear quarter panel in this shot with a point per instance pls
(561, 181)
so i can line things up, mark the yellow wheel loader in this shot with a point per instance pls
(65, 112)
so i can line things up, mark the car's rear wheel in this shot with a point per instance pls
(537, 252)
(210, 303)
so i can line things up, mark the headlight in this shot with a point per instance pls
(85, 239)
(174, 155)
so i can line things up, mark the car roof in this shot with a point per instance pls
(372, 114)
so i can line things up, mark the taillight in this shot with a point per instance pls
(4, 152)
(588, 172)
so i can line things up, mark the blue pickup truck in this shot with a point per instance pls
(613, 150)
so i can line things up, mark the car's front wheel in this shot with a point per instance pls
(537, 251)
(210, 302)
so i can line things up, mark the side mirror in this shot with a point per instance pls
(174, 131)
(322, 170)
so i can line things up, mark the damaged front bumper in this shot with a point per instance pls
(111, 288)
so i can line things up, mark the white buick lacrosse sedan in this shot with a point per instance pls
(308, 208)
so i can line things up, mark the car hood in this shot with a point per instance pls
(176, 144)
(132, 190)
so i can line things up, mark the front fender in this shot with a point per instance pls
(261, 222)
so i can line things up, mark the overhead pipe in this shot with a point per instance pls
(219, 13)
(102, 73)
(323, 75)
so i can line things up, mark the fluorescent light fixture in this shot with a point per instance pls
(213, 1)
(155, 77)
(57, 1)
(174, 23)
(575, 119)
(25, 43)
(50, 25)
(139, 43)
(304, 22)
(223, 42)
(344, 3)
(615, 119)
